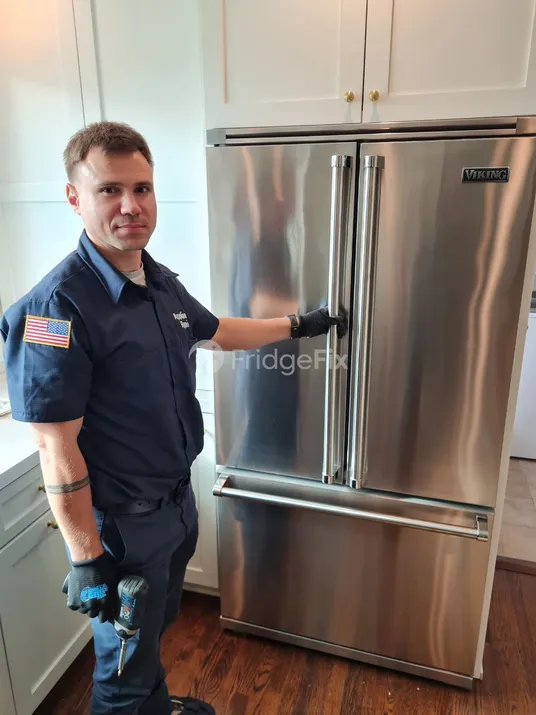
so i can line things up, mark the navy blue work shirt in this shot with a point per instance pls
(88, 342)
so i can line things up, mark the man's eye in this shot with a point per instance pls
(142, 190)
(108, 190)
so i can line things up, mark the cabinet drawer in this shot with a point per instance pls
(21, 502)
(42, 636)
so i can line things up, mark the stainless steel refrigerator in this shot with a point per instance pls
(358, 479)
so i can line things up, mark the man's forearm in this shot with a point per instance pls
(249, 333)
(69, 496)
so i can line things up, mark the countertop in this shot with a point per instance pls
(18, 452)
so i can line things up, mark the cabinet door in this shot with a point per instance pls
(203, 568)
(21, 502)
(40, 107)
(282, 62)
(449, 59)
(7, 706)
(42, 637)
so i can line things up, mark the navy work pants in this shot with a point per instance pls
(157, 546)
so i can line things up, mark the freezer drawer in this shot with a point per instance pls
(353, 573)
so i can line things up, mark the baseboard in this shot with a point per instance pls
(519, 565)
(205, 590)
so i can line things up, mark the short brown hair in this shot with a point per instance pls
(111, 137)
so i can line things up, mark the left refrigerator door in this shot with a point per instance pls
(281, 222)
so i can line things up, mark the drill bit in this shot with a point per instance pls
(122, 655)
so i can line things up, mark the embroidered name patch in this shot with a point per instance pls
(47, 331)
(182, 318)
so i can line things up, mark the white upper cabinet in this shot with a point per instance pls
(449, 59)
(282, 62)
(40, 101)
(291, 62)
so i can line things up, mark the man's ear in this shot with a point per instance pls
(72, 198)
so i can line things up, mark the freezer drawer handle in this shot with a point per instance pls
(224, 488)
(372, 168)
(340, 172)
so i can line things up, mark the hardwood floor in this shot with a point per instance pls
(242, 675)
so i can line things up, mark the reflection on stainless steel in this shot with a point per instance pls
(450, 270)
(270, 210)
(355, 511)
(367, 585)
(340, 170)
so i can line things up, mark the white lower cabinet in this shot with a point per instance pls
(7, 705)
(41, 636)
(202, 570)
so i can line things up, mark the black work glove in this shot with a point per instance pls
(91, 587)
(318, 322)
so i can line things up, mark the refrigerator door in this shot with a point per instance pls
(394, 582)
(281, 227)
(437, 312)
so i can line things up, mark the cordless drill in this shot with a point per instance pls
(132, 592)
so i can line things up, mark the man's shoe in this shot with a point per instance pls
(190, 706)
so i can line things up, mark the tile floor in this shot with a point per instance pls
(518, 533)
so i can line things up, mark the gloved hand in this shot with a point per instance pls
(318, 322)
(91, 587)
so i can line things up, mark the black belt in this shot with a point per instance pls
(143, 506)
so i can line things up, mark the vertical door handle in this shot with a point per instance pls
(372, 167)
(340, 172)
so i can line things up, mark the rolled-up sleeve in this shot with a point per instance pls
(47, 361)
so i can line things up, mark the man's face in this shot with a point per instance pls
(114, 195)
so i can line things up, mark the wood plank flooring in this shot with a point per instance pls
(241, 675)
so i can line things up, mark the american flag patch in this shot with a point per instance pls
(47, 331)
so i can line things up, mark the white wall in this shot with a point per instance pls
(63, 64)
(150, 76)
(40, 106)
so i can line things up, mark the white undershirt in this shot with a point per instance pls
(137, 277)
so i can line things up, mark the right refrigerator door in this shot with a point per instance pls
(444, 231)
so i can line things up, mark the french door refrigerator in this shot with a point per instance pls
(359, 478)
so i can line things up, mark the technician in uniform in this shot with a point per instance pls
(99, 360)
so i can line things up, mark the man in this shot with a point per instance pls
(98, 362)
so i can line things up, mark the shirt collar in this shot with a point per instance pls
(112, 279)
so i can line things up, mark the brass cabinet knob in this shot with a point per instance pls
(53, 524)
(41, 488)
(349, 96)
(374, 95)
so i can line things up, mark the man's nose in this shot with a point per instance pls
(129, 205)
